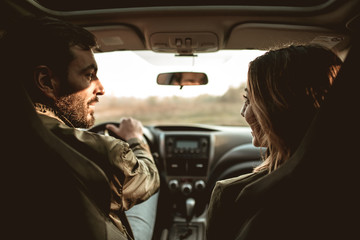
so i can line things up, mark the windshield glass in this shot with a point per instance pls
(129, 79)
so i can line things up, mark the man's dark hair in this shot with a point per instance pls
(33, 41)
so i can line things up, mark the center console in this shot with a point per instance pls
(186, 158)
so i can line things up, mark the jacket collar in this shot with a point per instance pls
(50, 112)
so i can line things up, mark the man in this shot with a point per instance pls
(56, 64)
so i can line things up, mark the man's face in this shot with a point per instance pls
(81, 90)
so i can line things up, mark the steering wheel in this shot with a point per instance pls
(101, 129)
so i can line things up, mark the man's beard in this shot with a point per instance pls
(75, 110)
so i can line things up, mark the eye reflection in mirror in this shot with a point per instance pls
(182, 79)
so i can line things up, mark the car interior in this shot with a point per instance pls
(54, 192)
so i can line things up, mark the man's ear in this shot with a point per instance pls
(45, 81)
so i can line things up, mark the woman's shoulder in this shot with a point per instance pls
(222, 204)
(239, 181)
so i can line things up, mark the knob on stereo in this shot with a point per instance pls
(186, 188)
(199, 185)
(173, 184)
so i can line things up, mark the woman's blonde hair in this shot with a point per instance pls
(286, 87)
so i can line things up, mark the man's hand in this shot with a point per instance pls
(128, 128)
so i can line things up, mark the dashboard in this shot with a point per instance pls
(192, 158)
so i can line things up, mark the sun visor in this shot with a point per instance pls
(265, 36)
(119, 37)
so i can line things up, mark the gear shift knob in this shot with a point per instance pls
(190, 204)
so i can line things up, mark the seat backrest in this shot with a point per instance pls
(312, 196)
(51, 190)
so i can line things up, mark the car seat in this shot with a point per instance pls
(313, 195)
(50, 190)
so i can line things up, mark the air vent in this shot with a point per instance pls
(185, 128)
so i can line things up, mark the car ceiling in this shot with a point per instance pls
(188, 27)
(69, 5)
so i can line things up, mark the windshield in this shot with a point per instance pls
(129, 79)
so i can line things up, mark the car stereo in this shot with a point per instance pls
(187, 155)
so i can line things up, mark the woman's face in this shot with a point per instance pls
(248, 113)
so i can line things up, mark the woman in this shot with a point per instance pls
(285, 89)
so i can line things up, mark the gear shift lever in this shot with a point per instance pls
(190, 204)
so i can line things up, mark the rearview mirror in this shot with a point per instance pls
(182, 78)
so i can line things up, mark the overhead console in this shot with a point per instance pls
(184, 43)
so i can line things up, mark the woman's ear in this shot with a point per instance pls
(45, 81)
